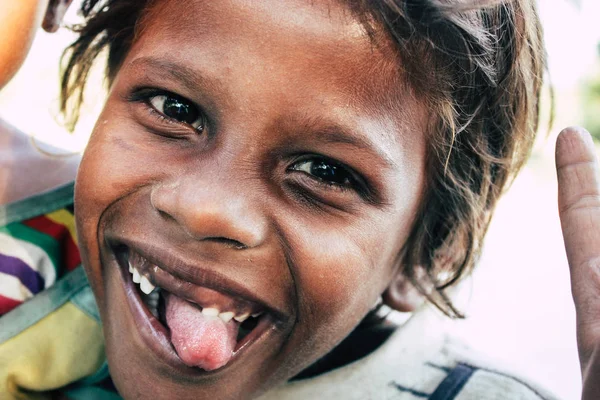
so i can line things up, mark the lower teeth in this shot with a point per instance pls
(151, 301)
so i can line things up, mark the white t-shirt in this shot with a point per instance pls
(419, 361)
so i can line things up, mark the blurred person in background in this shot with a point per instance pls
(19, 155)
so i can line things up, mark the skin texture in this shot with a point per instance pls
(279, 82)
(579, 207)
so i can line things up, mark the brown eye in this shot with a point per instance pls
(178, 109)
(325, 170)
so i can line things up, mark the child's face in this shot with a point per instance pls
(284, 179)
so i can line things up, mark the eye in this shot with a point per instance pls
(178, 109)
(325, 170)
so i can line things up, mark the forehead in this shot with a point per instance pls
(276, 24)
(313, 56)
(283, 36)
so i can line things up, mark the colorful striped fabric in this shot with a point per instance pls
(34, 253)
(51, 343)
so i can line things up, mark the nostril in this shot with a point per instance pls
(199, 210)
(165, 215)
(232, 243)
(229, 242)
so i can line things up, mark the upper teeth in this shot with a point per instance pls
(136, 276)
(242, 318)
(144, 282)
(147, 287)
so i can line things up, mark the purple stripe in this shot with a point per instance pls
(30, 278)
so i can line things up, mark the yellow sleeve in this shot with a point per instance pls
(61, 348)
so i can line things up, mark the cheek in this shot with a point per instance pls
(340, 272)
(111, 167)
(118, 160)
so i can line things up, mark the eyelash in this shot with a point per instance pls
(146, 97)
(352, 182)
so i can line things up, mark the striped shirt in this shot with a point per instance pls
(34, 253)
(51, 341)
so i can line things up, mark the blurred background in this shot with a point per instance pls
(518, 301)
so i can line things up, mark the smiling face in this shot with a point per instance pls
(249, 160)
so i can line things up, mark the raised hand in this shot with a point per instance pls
(579, 207)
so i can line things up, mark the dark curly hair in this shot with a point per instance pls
(485, 61)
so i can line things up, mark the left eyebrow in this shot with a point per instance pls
(334, 134)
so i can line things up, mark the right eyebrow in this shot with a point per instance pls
(188, 76)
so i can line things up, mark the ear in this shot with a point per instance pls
(54, 14)
(402, 295)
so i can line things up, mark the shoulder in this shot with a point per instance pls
(421, 360)
(436, 365)
(473, 376)
(472, 382)
(26, 171)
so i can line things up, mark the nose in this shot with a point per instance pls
(211, 211)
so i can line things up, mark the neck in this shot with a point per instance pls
(369, 335)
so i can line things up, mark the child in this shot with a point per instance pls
(264, 176)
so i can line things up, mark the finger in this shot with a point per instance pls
(579, 208)
(590, 373)
(54, 14)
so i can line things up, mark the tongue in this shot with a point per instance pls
(200, 341)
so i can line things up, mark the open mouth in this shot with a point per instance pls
(188, 324)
